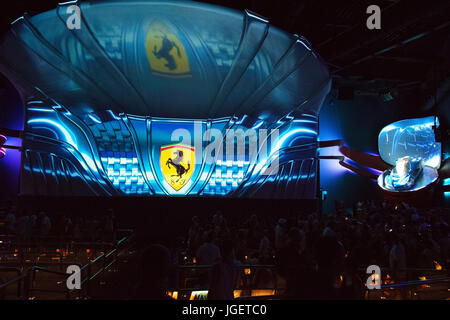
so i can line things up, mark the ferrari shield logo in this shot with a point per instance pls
(177, 164)
(165, 52)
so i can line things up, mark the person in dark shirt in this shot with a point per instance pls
(224, 274)
(155, 263)
(290, 258)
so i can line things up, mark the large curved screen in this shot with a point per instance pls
(165, 99)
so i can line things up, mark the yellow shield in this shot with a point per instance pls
(165, 52)
(177, 164)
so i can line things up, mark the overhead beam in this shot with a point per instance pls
(394, 46)
(408, 59)
(362, 25)
(411, 16)
(11, 132)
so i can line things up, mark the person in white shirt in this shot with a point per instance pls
(397, 259)
(224, 275)
(208, 253)
(10, 222)
(280, 234)
(46, 225)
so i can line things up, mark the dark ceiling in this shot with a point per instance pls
(408, 56)
(410, 52)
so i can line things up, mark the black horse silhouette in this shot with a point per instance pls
(164, 52)
(177, 164)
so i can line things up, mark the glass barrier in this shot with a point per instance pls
(411, 148)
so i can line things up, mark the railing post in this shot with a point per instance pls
(19, 287)
(116, 254)
(21, 258)
(88, 280)
(27, 279)
(33, 275)
(104, 261)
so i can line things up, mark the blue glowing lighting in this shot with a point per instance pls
(330, 168)
(120, 162)
(89, 162)
(242, 119)
(258, 124)
(411, 137)
(61, 128)
(125, 174)
(226, 177)
(41, 109)
(280, 144)
(94, 118)
(289, 134)
(304, 121)
(113, 115)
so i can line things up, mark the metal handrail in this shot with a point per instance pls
(383, 287)
(243, 266)
(88, 267)
(18, 279)
(103, 256)
(407, 284)
(206, 289)
(30, 273)
(57, 237)
(410, 269)
(414, 283)
(39, 268)
(10, 269)
(30, 276)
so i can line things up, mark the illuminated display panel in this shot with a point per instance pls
(410, 146)
(122, 154)
(411, 137)
(107, 105)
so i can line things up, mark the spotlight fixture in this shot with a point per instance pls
(2, 142)
(387, 95)
(346, 93)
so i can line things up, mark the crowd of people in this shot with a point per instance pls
(24, 225)
(318, 256)
(311, 255)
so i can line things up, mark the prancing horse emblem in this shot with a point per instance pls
(165, 51)
(177, 164)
